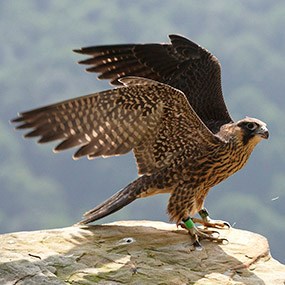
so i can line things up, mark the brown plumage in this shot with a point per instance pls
(169, 110)
(182, 64)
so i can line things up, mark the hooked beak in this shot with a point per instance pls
(263, 132)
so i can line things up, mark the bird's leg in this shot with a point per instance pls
(208, 222)
(199, 234)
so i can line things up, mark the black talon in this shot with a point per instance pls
(197, 245)
(181, 225)
(216, 233)
(228, 225)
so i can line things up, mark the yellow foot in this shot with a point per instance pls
(210, 223)
(199, 234)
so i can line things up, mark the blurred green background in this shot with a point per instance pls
(41, 190)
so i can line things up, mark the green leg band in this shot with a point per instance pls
(189, 224)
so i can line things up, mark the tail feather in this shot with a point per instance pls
(111, 205)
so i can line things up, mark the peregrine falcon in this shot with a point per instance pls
(169, 109)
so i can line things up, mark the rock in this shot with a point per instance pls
(135, 252)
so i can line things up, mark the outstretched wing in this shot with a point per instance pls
(153, 119)
(182, 64)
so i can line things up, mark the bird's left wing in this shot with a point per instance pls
(153, 119)
(181, 64)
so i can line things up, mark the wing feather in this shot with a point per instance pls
(151, 118)
(182, 64)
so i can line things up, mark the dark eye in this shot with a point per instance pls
(251, 126)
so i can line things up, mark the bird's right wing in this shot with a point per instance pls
(153, 119)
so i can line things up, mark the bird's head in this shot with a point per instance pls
(252, 130)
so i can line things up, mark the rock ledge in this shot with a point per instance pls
(135, 252)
